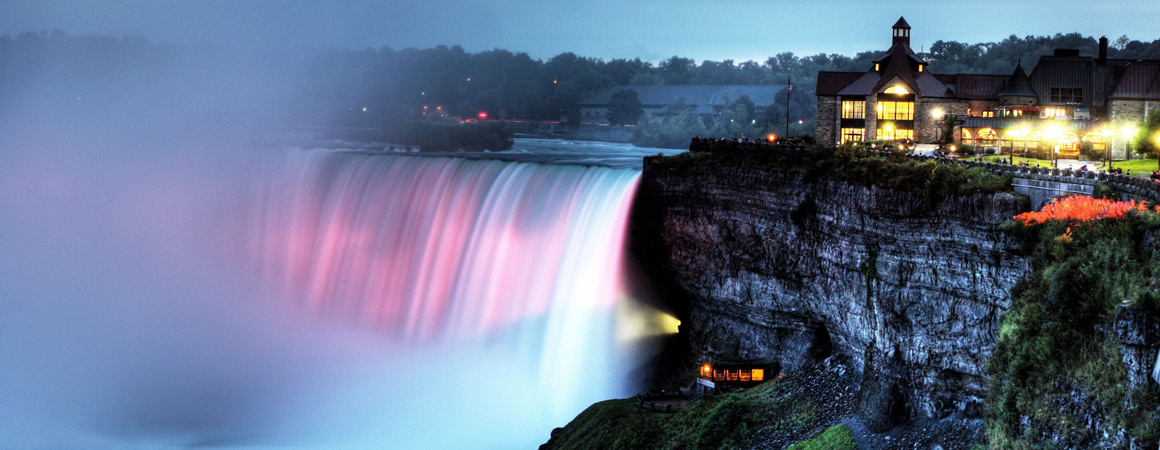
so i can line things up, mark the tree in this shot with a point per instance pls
(624, 109)
(1147, 140)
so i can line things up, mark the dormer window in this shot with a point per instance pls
(876, 67)
(920, 68)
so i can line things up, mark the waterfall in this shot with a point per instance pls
(512, 267)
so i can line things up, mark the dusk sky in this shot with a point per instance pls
(651, 30)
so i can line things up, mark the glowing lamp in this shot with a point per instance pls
(706, 369)
(438, 108)
(424, 107)
(1053, 132)
(468, 79)
(482, 115)
(771, 138)
(364, 109)
(1129, 130)
(1107, 132)
(936, 113)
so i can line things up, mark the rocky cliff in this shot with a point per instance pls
(777, 266)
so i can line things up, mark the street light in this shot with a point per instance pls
(937, 114)
(1053, 133)
(1129, 132)
(1026, 132)
(1107, 133)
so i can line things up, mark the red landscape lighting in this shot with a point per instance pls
(483, 115)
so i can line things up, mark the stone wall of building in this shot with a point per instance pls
(1127, 112)
(827, 120)
(871, 118)
(977, 106)
(926, 125)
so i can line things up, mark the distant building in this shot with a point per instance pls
(1065, 100)
(705, 100)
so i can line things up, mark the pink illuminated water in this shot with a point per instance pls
(498, 278)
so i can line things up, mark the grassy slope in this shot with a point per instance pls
(1052, 339)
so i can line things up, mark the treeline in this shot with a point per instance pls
(376, 86)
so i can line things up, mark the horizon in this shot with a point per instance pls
(686, 30)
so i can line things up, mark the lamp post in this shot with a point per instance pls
(1053, 133)
(935, 115)
(1026, 136)
(1129, 133)
(1107, 133)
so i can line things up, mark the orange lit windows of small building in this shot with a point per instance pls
(853, 134)
(853, 109)
(988, 114)
(758, 375)
(894, 134)
(744, 375)
(895, 110)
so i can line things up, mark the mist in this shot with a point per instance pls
(136, 178)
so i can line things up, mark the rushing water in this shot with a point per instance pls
(326, 299)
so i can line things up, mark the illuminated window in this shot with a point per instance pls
(853, 109)
(758, 374)
(988, 114)
(920, 68)
(966, 134)
(744, 375)
(875, 67)
(894, 134)
(897, 89)
(852, 134)
(895, 110)
(1054, 113)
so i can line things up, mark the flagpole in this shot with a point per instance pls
(788, 90)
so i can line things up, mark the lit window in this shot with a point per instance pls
(895, 110)
(758, 374)
(897, 89)
(875, 67)
(853, 109)
(920, 68)
(852, 134)
(895, 134)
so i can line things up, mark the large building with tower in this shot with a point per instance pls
(1063, 102)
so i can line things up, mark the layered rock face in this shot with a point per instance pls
(777, 267)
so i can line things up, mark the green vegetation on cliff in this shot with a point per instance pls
(854, 164)
(774, 414)
(1057, 372)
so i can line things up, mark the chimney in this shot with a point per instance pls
(1103, 50)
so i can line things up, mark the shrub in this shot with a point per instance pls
(1088, 256)
(837, 437)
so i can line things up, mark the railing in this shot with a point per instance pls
(1139, 188)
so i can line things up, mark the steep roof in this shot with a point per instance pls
(901, 23)
(1017, 84)
(978, 86)
(831, 83)
(697, 94)
(1141, 80)
(863, 86)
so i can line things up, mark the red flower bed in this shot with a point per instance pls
(1077, 208)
